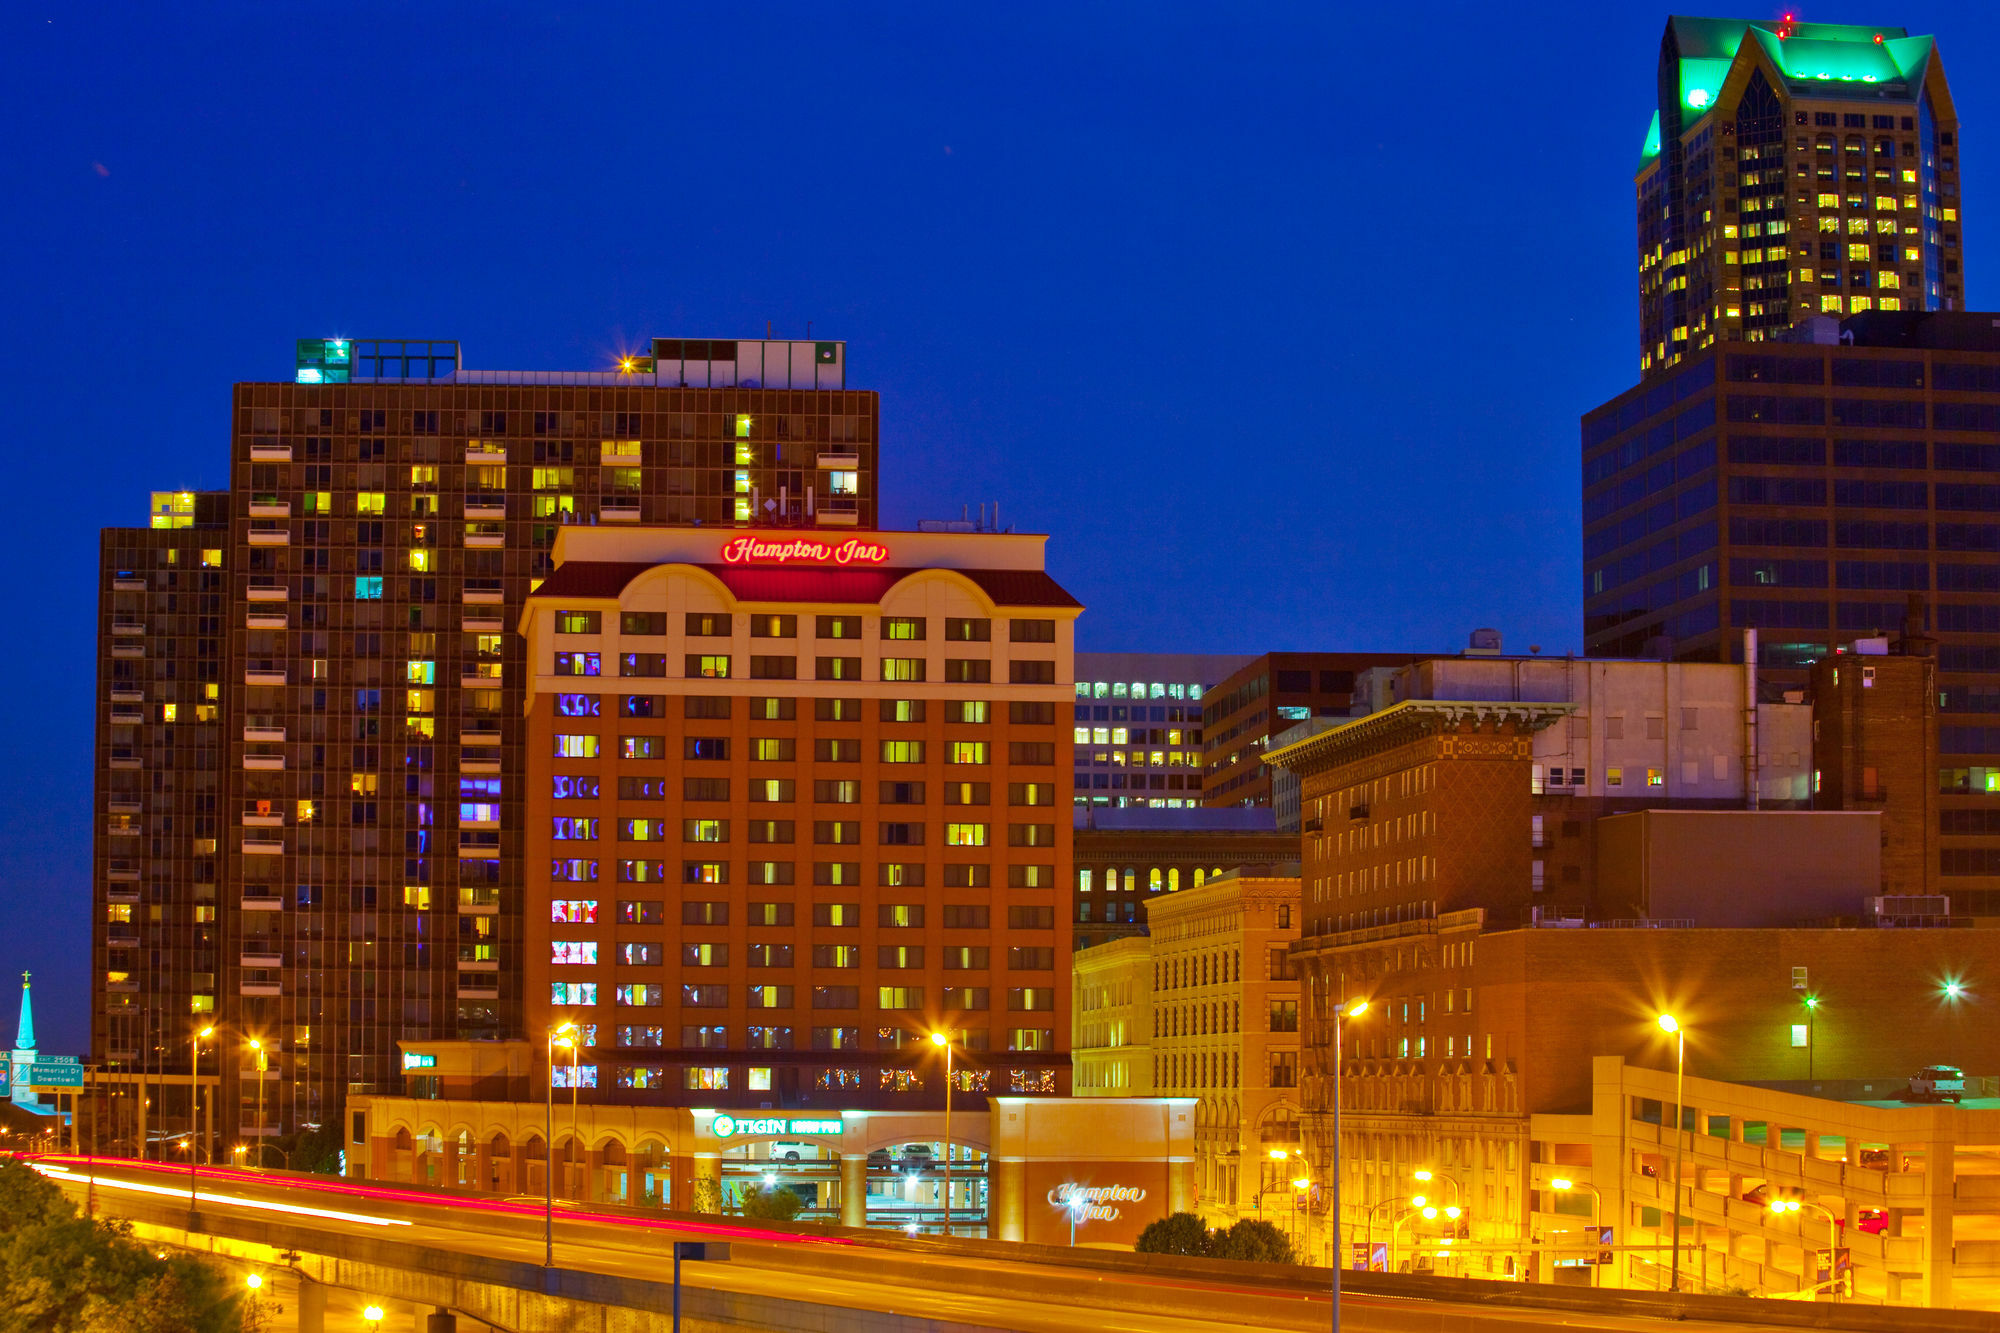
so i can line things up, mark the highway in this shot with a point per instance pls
(889, 1274)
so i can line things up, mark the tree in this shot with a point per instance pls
(1176, 1233)
(67, 1274)
(1256, 1241)
(771, 1203)
(317, 1150)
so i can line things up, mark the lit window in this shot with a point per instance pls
(965, 835)
(843, 483)
(368, 588)
(573, 952)
(1656, 777)
(370, 502)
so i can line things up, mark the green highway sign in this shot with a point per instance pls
(42, 1075)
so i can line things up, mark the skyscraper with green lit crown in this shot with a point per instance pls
(1792, 169)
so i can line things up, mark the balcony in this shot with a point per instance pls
(122, 987)
(485, 452)
(121, 895)
(128, 650)
(122, 872)
(128, 696)
(837, 518)
(121, 937)
(260, 988)
(124, 807)
(127, 717)
(265, 452)
(264, 673)
(467, 764)
(840, 460)
(262, 729)
(263, 847)
(267, 593)
(476, 965)
(473, 624)
(128, 627)
(478, 988)
(269, 506)
(124, 827)
(469, 737)
(261, 960)
(618, 511)
(270, 537)
(263, 821)
(264, 620)
(485, 541)
(259, 904)
(263, 763)
(126, 584)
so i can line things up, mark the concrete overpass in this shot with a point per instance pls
(482, 1258)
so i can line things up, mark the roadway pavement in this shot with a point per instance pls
(887, 1276)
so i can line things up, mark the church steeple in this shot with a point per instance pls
(24, 1036)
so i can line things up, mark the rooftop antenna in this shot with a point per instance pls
(767, 330)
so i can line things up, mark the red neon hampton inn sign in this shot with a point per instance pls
(803, 551)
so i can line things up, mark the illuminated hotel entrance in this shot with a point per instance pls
(902, 1182)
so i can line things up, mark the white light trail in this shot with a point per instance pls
(70, 1177)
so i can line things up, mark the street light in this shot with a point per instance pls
(374, 1316)
(940, 1039)
(194, 1105)
(1562, 1185)
(558, 1036)
(1341, 1013)
(1812, 1012)
(1670, 1024)
(255, 1281)
(263, 1063)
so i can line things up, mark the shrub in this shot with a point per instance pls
(1176, 1233)
(1254, 1240)
(771, 1203)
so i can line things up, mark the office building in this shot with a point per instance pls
(1138, 726)
(1811, 490)
(1263, 697)
(1792, 169)
(1127, 858)
(794, 805)
(156, 827)
(1111, 1025)
(388, 512)
(1481, 782)
(1225, 1031)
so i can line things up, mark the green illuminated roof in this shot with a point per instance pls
(1812, 57)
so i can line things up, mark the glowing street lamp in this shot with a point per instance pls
(939, 1039)
(1563, 1185)
(1342, 1012)
(374, 1316)
(194, 1105)
(558, 1036)
(1669, 1024)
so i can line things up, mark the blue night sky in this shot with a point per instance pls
(1280, 326)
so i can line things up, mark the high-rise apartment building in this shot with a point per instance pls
(795, 804)
(1266, 695)
(1792, 169)
(1138, 726)
(157, 823)
(389, 512)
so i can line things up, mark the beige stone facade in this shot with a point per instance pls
(1206, 1007)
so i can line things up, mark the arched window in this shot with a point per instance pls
(1131, 878)
(1153, 880)
(1174, 879)
(1111, 879)
(1083, 880)
(1200, 876)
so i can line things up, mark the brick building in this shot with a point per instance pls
(1875, 720)
(793, 805)
(1263, 697)
(1111, 1028)
(1127, 858)
(1138, 726)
